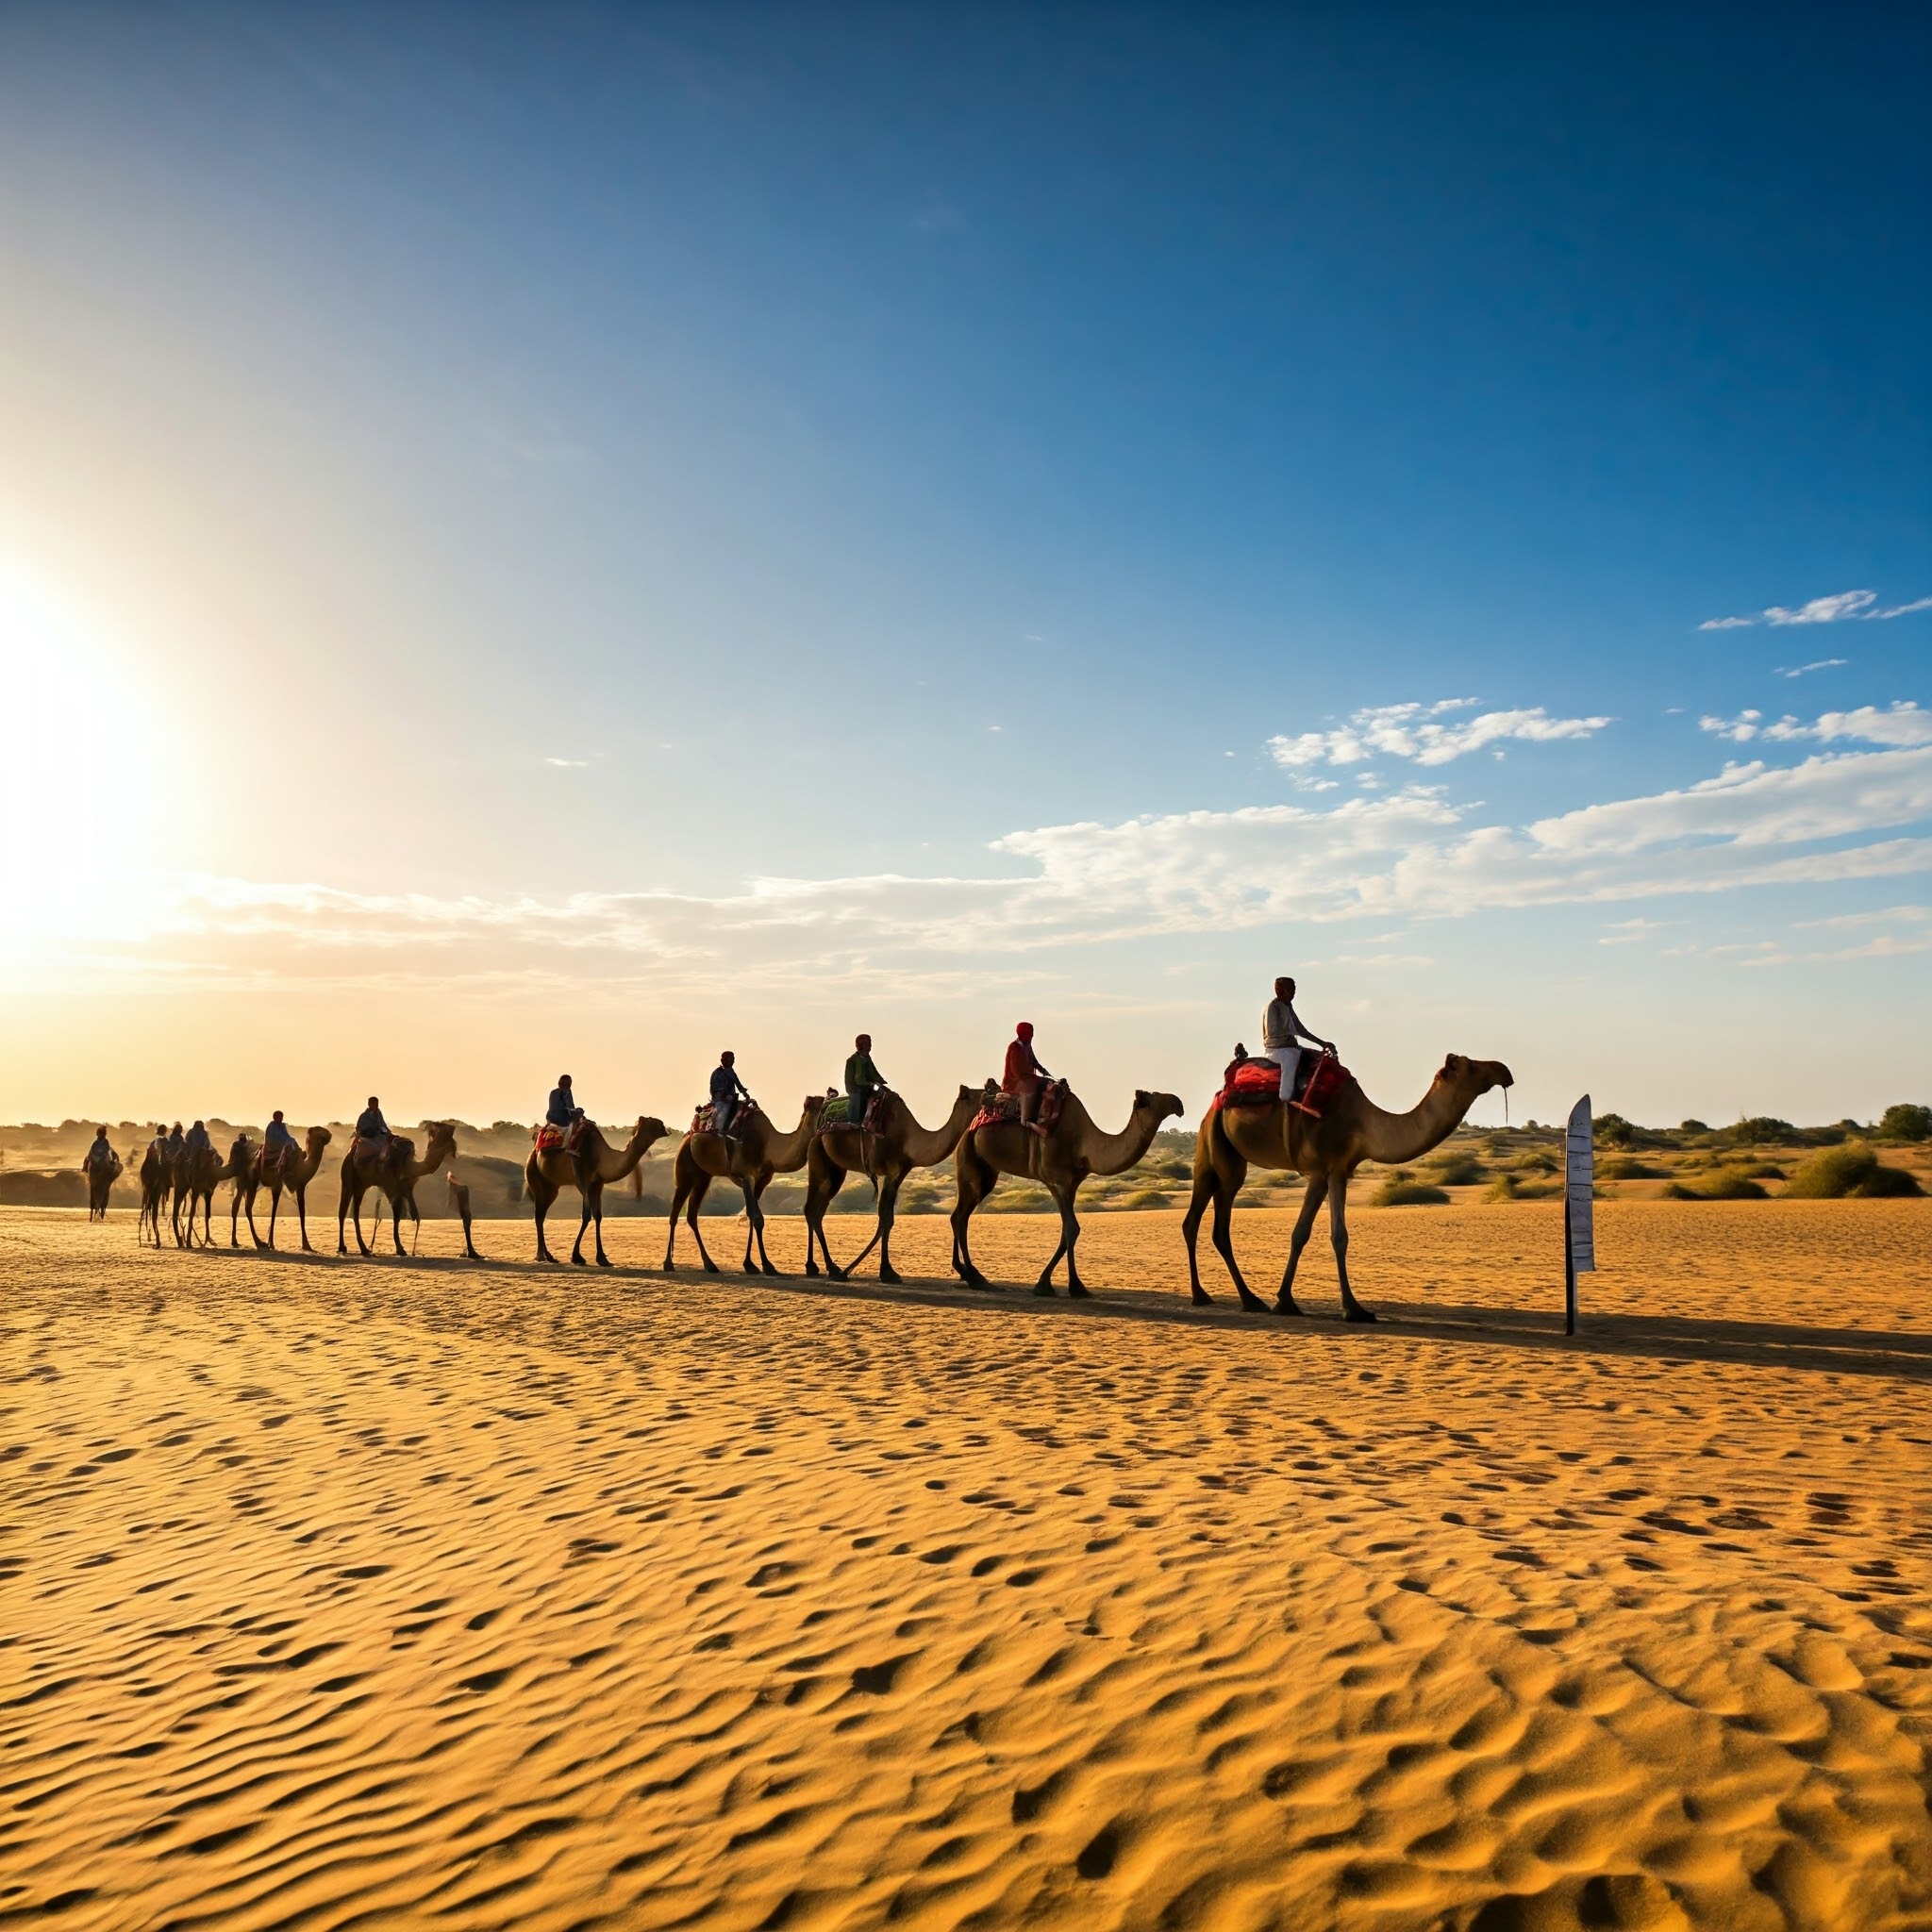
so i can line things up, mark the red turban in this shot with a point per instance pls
(1025, 1029)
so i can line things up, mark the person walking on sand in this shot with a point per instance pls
(1282, 1033)
(729, 1092)
(1024, 1077)
(865, 1083)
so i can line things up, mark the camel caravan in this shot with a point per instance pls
(1294, 1107)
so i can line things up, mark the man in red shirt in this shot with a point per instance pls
(1024, 1076)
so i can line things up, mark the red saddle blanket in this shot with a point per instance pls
(1000, 1108)
(1256, 1083)
(701, 1120)
(552, 1138)
(1250, 1083)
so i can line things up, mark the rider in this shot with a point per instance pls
(370, 1124)
(278, 1143)
(563, 1110)
(99, 1154)
(198, 1141)
(729, 1092)
(1024, 1077)
(1282, 1033)
(863, 1081)
(170, 1147)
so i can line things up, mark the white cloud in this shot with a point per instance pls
(569, 764)
(1414, 732)
(1806, 670)
(1399, 856)
(1837, 609)
(1903, 724)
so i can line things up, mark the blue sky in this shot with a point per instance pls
(523, 478)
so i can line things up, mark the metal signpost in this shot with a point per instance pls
(1580, 1224)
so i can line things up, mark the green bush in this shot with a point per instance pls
(1728, 1184)
(1853, 1168)
(1508, 1187)
(1460, 1168)
(1693, 1126)
(1761, 1130)
(1401, 1190)
(1628, 1169)
(1146, 1197)
(1905, 1121)
(1612, 1130)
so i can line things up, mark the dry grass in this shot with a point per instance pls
(477, 1596)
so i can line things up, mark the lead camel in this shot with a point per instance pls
(1350, 1130)
(590, 1166)
(1060, 1160)
(890, 1149)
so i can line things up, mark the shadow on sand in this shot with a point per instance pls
(1667, 1338)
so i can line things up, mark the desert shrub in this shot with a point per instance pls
(1018, 1201)
(1853, 1168)
(1539, 1162)
(1761, 1171)
(1693, 1126)
(1612, 1130)
(1629, 1170)
(1401, 1190)
(1905, 1121)
(1726, 1184)
(1761, 1130)
(1146, 1197)
(1509, 1186)
(1460, 1169)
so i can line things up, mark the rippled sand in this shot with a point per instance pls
(474, 1596)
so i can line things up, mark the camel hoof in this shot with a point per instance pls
(1358, 1313)
(1080, 1291)
(576, 1262)
(812, 1272)
(1253, 1305)
(889, 1276)
(604, 1260)
(777, 1274)
(1043, 1288)
(1288, 1308)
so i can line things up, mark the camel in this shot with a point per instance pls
(206, 1175)
(101, 1177)
(156, 1182)
(1060, 1159)
(750, 1156)
(1327, 1150)
(395, 1175)
(590, 1168)
(898, 1146)
(293, 1172)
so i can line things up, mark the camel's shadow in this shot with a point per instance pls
(1669, 1338)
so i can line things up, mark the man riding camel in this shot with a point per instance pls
(278, 1143)
(1282, 1033)
(371, 1126)
(1024, 1077)
(865, 1083)
(562, 1111)
(729, 1092)
(99, 1153)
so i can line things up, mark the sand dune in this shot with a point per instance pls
(471, 1595)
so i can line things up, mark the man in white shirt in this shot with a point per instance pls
(1282, 1033)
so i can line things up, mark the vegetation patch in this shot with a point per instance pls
(1728, 1184)
(1460, 1168)
(1401, 1190)
(1849, 1169)
(1630, 1169)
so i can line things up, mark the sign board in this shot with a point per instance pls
(1579, 1220)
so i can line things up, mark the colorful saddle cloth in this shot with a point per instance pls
(551, 1139)
(703, 1119)
(838, 1107)
(1250, 1083)
(999, 1108)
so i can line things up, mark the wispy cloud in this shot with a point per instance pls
(569, 764)
(1401, 856)
(1806, 670)
(1901, 723)
(1837, 609)
(1416, 732)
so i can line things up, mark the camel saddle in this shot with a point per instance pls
(551, 1139)
(999, 1108)
(701, 1120)
(834, 1112)
(371, 1148)
(1258, 1083)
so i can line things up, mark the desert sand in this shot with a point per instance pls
(471, 1595)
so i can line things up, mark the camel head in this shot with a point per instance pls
(443, 1143)
(1469, 1079)
(317, 1138)
(1159, 1106)
(814, 1105)
(647, 1132)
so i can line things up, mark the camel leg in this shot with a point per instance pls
(1352, 1311)
(234, 1215)
(692, 1196)
(593, 1212)
(301, 1220)
(764, 1181)
(576, 1247)
(1075, 1287)
(1044, 1285)
(1284, 1303)
(974, 1182)
(342, 1216)
(1206, 1187)
(832, 1268)
(397, 1205)
(543, 1198)
(248, 1208)
(882, 1233)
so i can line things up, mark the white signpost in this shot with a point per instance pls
(1579, 1223)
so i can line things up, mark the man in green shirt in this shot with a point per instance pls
(863, 1081)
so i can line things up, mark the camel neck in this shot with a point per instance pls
(1394, 1138)
(1116, 1153)
(928, 1146)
